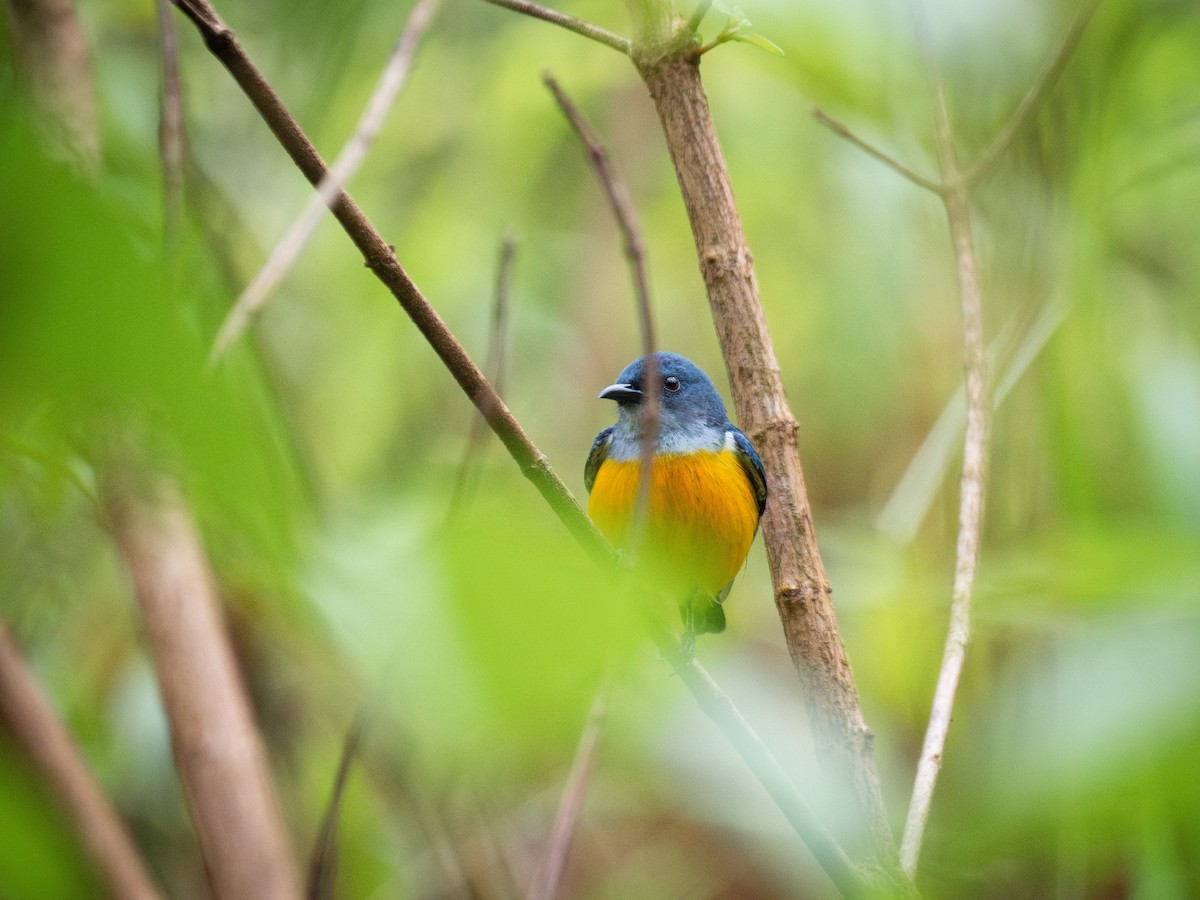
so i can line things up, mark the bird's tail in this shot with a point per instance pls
(703, 614)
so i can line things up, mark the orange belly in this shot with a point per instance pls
(700, 522)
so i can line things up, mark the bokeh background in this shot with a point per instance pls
(322, 455)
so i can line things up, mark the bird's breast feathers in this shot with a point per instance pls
(702, 513)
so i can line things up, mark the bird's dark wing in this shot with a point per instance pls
(751, 465)
(599, 453)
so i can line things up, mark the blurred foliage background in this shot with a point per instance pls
(321, 455)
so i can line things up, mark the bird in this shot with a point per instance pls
(707, 493)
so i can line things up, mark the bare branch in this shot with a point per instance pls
(380, 257)
(1034, 96)
(285, 253)
(50, 747)
(51, 48)
(494, 363)
(974, 472)
(548, 877)
(587, 29)
(218, 751)
(172, 136)
(844, 131)
(627, 222)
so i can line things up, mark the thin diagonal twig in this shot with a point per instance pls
(28, 714)
(843, 131)
(717, 705)
(322, 867)
(285, 253)
(587, 29)
(1004, 137)
(548, 877)
(635, 250)
(910, 500)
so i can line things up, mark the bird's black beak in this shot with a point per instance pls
(622, 393)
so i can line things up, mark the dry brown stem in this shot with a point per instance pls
(51, 46)
(322, 864)
(34, 723)
(802, 592)
(548, 878)
(172, 136)
(218, 751)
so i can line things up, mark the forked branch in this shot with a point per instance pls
(587, 29)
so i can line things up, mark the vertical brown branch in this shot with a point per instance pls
(29, 714)
(218, 751)
(802, 592)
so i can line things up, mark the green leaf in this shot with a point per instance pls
(763, 43)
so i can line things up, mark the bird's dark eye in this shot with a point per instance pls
(671, 383)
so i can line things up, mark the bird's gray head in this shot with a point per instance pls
(691, 413)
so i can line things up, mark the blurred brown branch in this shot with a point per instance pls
(547, 880)
(218, 751)
(172, 134)
(51, 48)
(29, 715)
